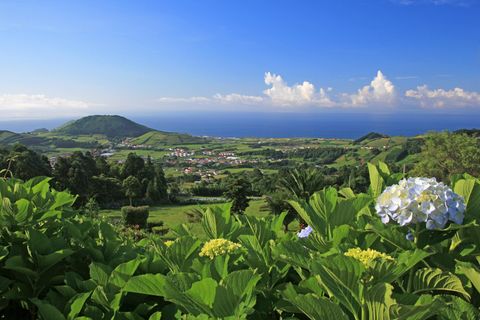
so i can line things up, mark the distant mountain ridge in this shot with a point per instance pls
(112, 126)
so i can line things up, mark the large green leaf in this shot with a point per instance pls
(180, 254)
(469, 189)
(390, 235)
(314, 307)
(376, 181)
(47, 311)
(293, 252)
(203, 291)
(388, 271)
(76, 304)
(457, 308)
(242, 282)
(432, 280)
(471, 272)
(23, 210)
(308, 214)
(49, 260)
(99, 273)
(218, 222)
(147, 284)
(378, 301)
(341, 276)
(324, 202)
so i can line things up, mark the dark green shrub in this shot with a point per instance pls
(160, 230)
(151, 225)
(135, 216)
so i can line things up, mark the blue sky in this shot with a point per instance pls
(70, 58)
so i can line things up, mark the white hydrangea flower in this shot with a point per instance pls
(415, 200)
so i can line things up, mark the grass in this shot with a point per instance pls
(239, 170)
(174, 215)
(122, 154)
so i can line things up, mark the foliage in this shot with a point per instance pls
(445, 154)
(91, 208)
(135, 216)
(301, 183)
(237, 192)
(132, 188)
(24, 163)
(56, 264)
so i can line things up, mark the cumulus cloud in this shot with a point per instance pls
(379, 91)
(40, 106)
(299, 94)
(440, 98)
(279, 93)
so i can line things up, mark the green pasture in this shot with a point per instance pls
(174, 215)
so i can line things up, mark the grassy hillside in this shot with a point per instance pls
(9, 138)
(371, 136)
(110, 126)
(154, 138)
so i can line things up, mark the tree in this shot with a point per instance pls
(107, 190)
(25, 163)
(132, 188)
(298, 184)
(237, 192)
(445, 154)
(301, 183)
(134, 166)
(75, 173)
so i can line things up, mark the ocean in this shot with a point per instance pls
(326, 125)
(287, 125)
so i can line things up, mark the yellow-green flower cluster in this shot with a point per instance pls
(217, 247)
(367, 257)
(168, 243)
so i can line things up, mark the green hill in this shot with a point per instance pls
(109, 125)
(9, 138)
(153, 138)
(370, 136)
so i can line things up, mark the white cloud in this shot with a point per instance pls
(379, 91)
(40, 106)
(279, 94)
(238, 98)
(440, 98)
(299, 94)
(461, 3)
(183, 100)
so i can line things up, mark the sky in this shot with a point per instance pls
(62, 59)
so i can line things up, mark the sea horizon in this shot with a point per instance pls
(281, 125)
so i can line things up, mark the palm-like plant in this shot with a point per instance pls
(299, 184)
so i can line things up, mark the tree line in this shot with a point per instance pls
(136, 178)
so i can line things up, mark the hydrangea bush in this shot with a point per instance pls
(417, 200)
